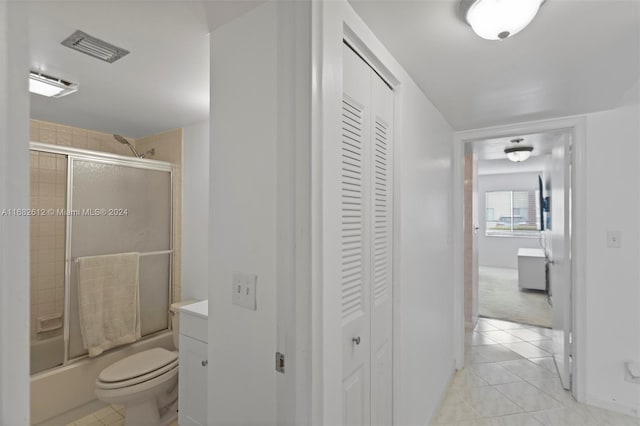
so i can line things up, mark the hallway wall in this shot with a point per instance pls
(14, 230)
(243, 214)
(612, 275)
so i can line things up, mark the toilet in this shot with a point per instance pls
(146, 383)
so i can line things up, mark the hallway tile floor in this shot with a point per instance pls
(510, 379)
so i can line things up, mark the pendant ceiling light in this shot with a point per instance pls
(499, 19)
(518, 153)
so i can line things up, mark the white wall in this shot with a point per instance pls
(243, 218)
(497, 251)
(259, 219)
(425, 280)
(195, 211)
(14, 231)
(423, 293)
(612, 275)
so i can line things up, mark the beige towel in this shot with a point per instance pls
(109, 301)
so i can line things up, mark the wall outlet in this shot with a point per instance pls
(614, 239)
(243, 290)
(632, 371)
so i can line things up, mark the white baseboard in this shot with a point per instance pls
(613, 406)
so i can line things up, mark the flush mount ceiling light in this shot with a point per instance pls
(499, 19)
(517, 153)
(47, 85)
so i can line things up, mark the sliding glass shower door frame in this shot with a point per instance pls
(74, 154)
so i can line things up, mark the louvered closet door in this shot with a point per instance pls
(365, 241)
(355, 277)
(380, 229)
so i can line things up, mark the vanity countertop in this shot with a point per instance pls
(199, 309)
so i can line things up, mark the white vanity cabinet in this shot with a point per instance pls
(192, 378)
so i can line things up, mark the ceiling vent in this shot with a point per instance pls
(83, 42)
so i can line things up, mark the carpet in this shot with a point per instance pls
(500, 297)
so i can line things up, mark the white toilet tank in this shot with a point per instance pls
(175, 319)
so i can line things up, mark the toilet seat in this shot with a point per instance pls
(137, 369)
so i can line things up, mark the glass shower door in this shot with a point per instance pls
(118, 208)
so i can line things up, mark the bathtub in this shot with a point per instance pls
(46, 354)
(59, 390)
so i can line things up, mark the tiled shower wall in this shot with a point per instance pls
(48, 190)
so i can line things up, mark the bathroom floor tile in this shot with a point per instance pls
(90, 420)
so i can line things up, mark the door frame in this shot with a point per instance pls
(577, 127)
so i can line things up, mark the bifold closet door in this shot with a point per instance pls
(365, 242)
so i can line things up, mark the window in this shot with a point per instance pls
(510, 213)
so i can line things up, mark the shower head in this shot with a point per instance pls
(126, 142)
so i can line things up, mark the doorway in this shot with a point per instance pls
(530, 210)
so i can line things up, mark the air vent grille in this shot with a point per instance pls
(92, 46)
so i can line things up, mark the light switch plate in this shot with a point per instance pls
(243, 287)
(614, 239)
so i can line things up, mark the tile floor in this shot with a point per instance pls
(511, 380)
(112, 415)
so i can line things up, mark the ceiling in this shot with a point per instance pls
(162, 84)
(577, 56)
(492, 160)
(493, 149)
(504, 166)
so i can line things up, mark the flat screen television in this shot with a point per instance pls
(541, 202)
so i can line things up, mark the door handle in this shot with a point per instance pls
(356, 340)
(205, 363)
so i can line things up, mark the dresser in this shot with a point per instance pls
(532, 267)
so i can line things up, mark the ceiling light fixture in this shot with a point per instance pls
(46, 85)
(499, 19)
(517, 153)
